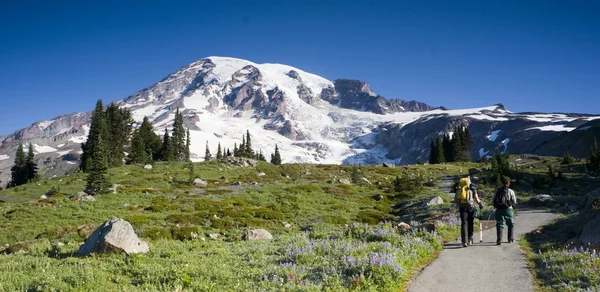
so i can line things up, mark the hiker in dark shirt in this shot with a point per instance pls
(504, 200)
(466, 208)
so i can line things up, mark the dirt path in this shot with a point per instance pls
(484, 266)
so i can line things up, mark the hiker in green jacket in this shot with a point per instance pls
(504, 200)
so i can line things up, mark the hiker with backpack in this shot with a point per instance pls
(465, 198)
(504, 200)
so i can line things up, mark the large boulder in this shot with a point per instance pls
(541, 199)
(258, 234)
(386, 164)
(428, 227)
(364, 180)
(433, 201)
(114, 235)
(591, 232)
(83, 197)
(474, 171)
(344, 181)
(200, 183)
(148, 166)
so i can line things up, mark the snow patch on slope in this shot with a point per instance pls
(482, 152)
(4, 157)
(494, 135)
(505, 142)
(43, 149)
(556, 128)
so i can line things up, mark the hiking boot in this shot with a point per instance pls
(510, 235)
(499, 236)
(465, 245)
(470, 242)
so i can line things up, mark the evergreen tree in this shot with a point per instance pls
(30, 165)
(433, 155)
(120, 125)
(261, 157)
(595, 156)
(19, 169)
(441, 158)
(236, 151)
(242, 148)
(447, 145)
(219, 151)
(178, 138)
(228, 153)
(188, 143)
(97, 180)
(355, 175)
(567, 159)
(207, 155)
(97, 138)
(166, 151)
(468, 143)
(248, 145)
(276, 157)
(146, 144)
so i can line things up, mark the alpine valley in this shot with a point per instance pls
(310, 118)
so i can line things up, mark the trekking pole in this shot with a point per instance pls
(481, 226)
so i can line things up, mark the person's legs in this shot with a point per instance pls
(463, 224)
(470, 224)
(499, 225)
(510, 222)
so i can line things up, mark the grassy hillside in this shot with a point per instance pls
(321, 240)
(327, 235)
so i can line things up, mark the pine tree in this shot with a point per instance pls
(228, 153)
(19, 170)
(447, 145)
(167, 147)
(120, 123)
(242, 148)
(219, 151)
(595, 156)
(567, 159)
(236, 151)
(178, 138)
(261, 157)
(188, 143)
(276, 157)
(146, 144)
(97, 180)
(468, 143)
(30, 165)
(441, 158)
(97, 137)
(433, 155)
(248, 145)
(355, 175)
(207, 155)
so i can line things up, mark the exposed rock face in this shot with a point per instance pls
(114, 235)
(258, 234)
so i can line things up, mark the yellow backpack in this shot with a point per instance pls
(464, 195)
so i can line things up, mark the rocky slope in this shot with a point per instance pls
(312, 119)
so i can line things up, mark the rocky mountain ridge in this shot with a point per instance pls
(312, 119)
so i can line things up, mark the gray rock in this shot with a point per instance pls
(237, 183)
(258, 234)
(403, 226)
(114, 188)
(433, 201)
(365, 180)
(429, 227)
(43, 197)
(261, 174)
(386, 164)
(539, 199)
(114, 235)
(83, 197)
(287, 225)
(200, 183)
(344, 181)
(213, 236)
(252, 162)
(591, 232)
(148, 166)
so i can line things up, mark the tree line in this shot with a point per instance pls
(25, 169)
(452, 148)
(244, 150)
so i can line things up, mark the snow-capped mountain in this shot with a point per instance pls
(312, 119)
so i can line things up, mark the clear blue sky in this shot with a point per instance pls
(59, 57)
